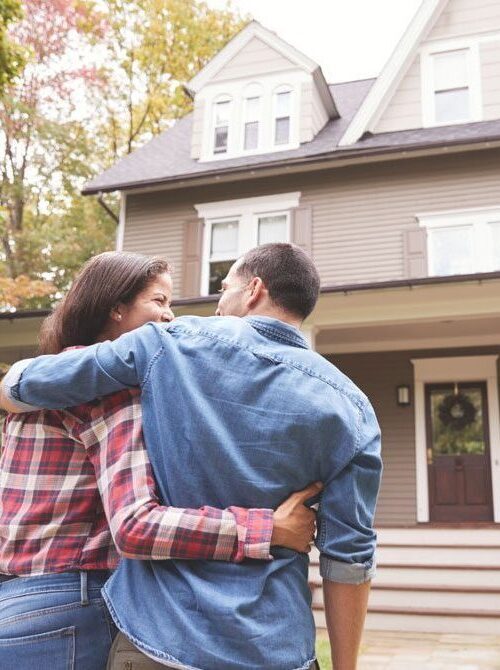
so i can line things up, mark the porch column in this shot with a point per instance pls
(309, 332)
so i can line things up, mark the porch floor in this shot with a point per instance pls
(429, 651)
(382, 650)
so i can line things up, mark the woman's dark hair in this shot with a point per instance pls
(104, 281)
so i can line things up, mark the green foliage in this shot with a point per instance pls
(11, 53)
(127, 60)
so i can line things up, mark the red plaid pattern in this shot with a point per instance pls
(77, 490)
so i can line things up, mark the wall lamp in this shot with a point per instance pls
(403, 395)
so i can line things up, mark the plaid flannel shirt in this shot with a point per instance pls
(77, 490)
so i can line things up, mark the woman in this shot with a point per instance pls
(77, 490)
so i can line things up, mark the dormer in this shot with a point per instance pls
(257, 95)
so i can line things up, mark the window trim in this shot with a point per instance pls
(246, 211)
(428, 90)
(478, 219)
(283, 88)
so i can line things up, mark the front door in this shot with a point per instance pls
(458, 452)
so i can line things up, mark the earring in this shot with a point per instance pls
(119, 317)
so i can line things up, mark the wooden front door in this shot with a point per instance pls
(458, 452)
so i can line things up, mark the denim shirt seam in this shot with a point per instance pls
(278, 335)
(151, 363)
(354, 398)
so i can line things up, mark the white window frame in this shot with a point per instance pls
(237, 91)
(253, 90)
(284, 88)
(221, 99)
(427, 80)
(478, 219)
(455, 369)
(247, 211)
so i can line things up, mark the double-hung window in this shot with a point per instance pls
(252, 117)
(222, 116)
(235, 226)
(282, 115)
(451, 86)
(465, 242)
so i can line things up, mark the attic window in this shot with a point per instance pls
(282, 109)
(451, 86)
(221, 125)
(252, 120)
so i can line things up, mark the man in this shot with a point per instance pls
(239, 410)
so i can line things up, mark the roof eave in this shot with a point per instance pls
(345, 154)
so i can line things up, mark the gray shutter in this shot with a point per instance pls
(302, 228)
(415, 252)
(192, 257)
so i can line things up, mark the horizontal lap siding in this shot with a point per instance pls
(404, 110)
(255, 57)
(466, 17)
(378, 375)
(490, 79)
(13, 354)
(155, 227)
(359, 213)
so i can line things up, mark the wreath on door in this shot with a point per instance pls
(457, 412)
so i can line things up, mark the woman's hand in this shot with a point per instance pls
(294, 523)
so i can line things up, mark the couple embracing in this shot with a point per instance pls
(188, 451)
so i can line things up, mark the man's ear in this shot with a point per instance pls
(257, 291)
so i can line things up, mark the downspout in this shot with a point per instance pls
(107, 208)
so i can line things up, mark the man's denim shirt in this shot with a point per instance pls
(236, 412)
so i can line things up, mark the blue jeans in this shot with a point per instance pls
(55, 622)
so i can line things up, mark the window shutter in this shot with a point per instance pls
(302, 228)
(415, 252)
(192, 258)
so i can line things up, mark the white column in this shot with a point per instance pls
(309, 332)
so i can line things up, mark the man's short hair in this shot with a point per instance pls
(288, 273)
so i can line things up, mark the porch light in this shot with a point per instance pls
(403, 395)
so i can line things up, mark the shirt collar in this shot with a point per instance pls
(278, 331)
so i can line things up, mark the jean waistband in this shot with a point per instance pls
(81, 581)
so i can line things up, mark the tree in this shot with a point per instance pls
(11, 54)
(152, 48)
(100, 78)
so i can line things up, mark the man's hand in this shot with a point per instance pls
(294, 524)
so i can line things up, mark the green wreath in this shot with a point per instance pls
(457, 412)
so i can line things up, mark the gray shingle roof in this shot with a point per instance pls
(167, 156)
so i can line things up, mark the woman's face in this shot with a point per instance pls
(151, 304)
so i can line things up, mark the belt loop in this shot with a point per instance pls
(84, 594)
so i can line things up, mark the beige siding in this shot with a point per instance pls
(306, 112)
(378, 375)
(15, 353)
(253, 59)
(197, 132)
(405, 108)
(319, 114)
(467, 17)
(359, 213)
(155, 226)
(490, 79)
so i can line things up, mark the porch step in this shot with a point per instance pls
(404, 575)
(439, 555)
(425, 620)
(451, 537)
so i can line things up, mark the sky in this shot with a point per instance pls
(350, 39)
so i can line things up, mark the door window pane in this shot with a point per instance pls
(450, 70)
(457, 421)
(495, 244)
(218, 270)
(451, 250)
(272, 229)
(452, 105)
(224, 238)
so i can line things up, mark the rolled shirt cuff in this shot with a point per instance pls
(346, 573)
(10, 385)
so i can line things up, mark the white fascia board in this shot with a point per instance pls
(393, 72)
(253, 29)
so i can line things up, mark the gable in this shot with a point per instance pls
(254, 58)
(466, 17)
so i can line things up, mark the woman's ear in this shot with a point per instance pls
(116, 314)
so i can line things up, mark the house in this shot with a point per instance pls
(393, 186)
